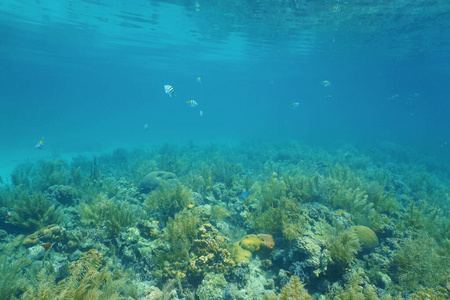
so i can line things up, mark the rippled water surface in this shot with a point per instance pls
(222, 30)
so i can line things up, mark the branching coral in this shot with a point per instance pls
(438, 293)
(90, 278)
(172, 258)
(168, 200)
(12, 277)
(209, 253)
(181, 232)
(364, 200)
(195, 249)
(171, 159)
(21, 176)
(225, 171)
(284, 217)
(355, 288)
(343, 249)
(48, 173)
(421, 262)
(34, 212)
(109, 214)
(295, 289)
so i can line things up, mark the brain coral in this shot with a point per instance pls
(154, 179)
(367, 238)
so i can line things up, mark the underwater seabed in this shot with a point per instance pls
(246, 221)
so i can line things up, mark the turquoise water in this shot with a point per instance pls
(89, 74)
(371, 79)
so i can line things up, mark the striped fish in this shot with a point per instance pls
(169, 90)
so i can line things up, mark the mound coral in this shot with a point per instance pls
(153, 180)
(367, 238)
(63, 194)
(51, 233)
(269, 242)
(239, 254)
(251, 243)
(243, 249)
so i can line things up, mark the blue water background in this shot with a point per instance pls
(87, 75)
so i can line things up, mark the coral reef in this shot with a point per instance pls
(196, 249)
(307, 222)
(209, 253)
(356, 287)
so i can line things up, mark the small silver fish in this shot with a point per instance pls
(325, 83)
(192, 103)
(40, 144)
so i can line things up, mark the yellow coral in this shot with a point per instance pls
(239, 254)
(31, 240)
(251, 242)
(242, 250)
